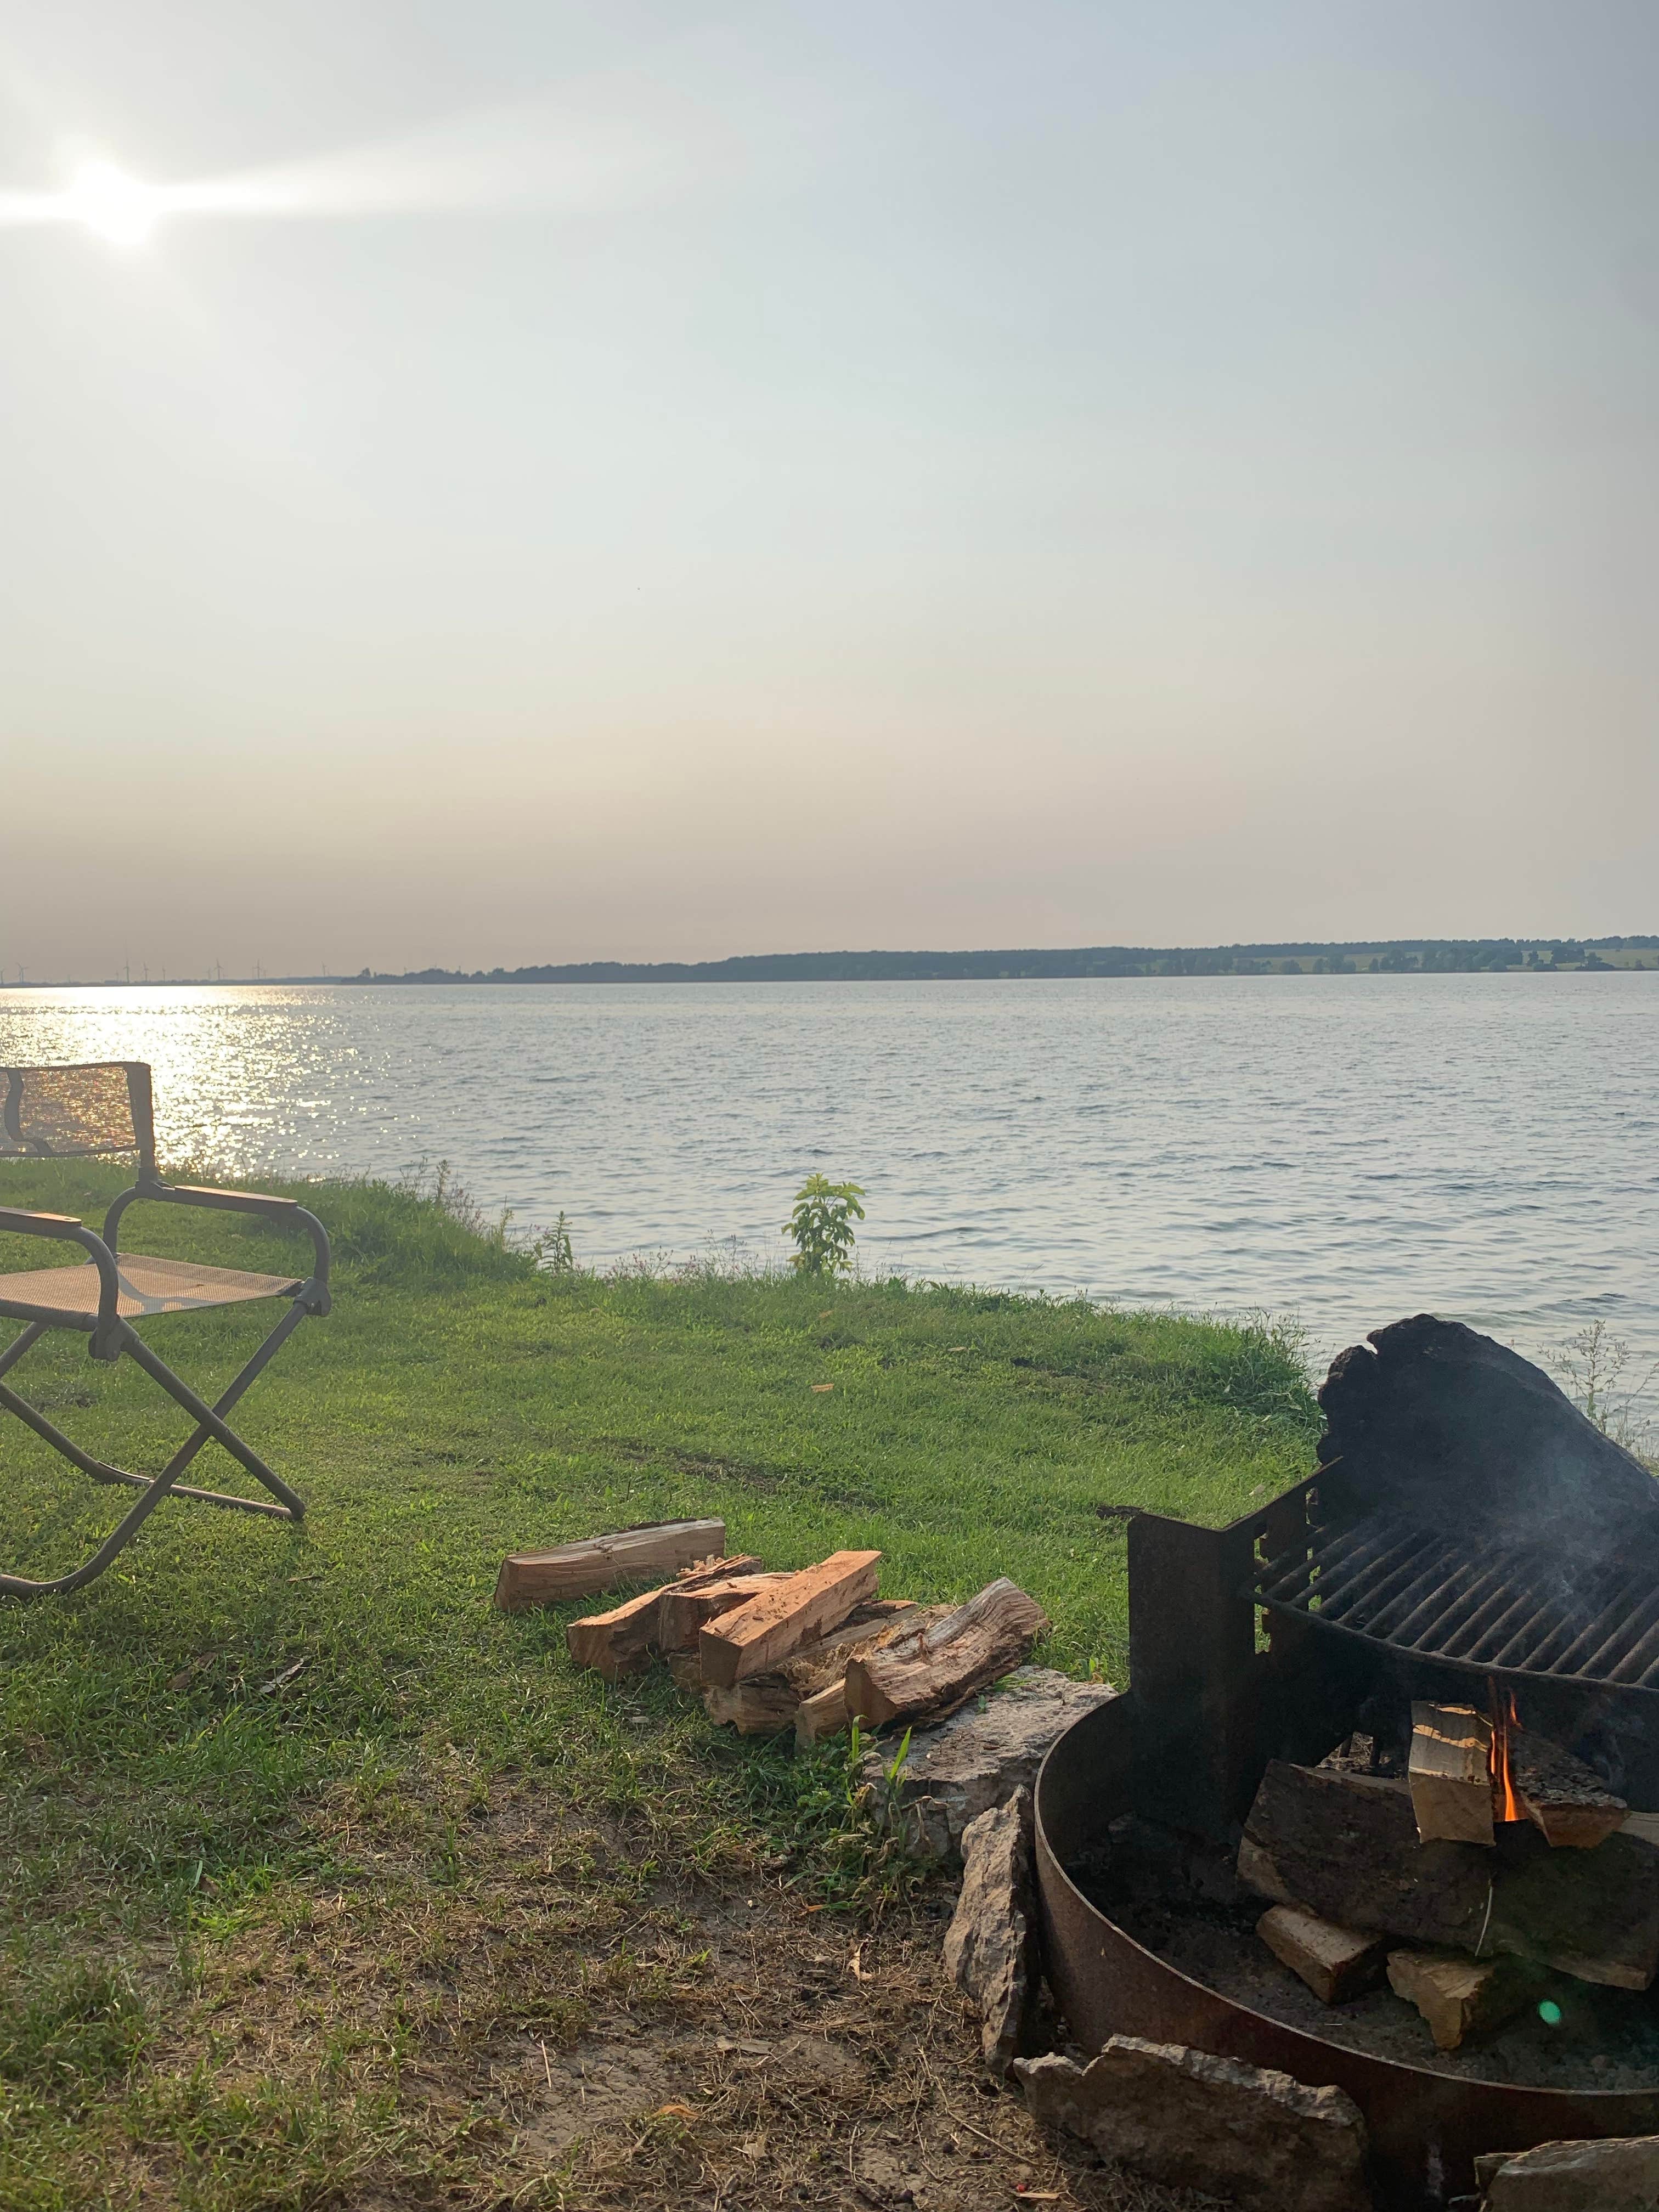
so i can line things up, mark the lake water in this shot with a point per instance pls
(1343, 1149)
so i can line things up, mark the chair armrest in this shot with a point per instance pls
(16, 1222)
(286, 1210)
(67, 1230)
(229, 1201)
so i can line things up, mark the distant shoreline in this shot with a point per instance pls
(1437, 955)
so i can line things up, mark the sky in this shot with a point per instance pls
(653, 481)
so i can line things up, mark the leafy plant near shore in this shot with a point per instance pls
(820, 1227)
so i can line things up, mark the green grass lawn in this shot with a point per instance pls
(170, 1831)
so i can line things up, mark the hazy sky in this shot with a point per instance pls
(657, 481)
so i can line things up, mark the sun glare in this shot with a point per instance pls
(117, 207)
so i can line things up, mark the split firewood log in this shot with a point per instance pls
(621, 1641)
(687, 1607)
(1591, 1914)
(753, 1639)
(1336, 1963)
(1460, 1997)
(766, 1704)
(1346, 1845)
(934, 1669)
(602, 1563)
(1566, 1801)
(1449, 1773)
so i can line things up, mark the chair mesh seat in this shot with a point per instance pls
(148, 1286)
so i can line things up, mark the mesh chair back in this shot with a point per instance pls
(57, 1113)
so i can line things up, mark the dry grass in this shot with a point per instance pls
(583, 2019)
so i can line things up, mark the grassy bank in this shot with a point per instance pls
(318, 1943)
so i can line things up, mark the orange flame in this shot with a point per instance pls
(1506, 1802)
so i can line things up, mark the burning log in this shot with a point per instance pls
(1336, 1963)
(1563, 1799)
(1450, 1774)
(1346, 1845)
(1445, 1427)
(1459, 1997)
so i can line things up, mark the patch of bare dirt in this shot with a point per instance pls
(581, 2020)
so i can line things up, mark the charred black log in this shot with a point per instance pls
(1442, 1425)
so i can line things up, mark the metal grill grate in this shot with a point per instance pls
(1423, 1590)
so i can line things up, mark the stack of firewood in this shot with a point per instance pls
(769, 1651)
(1497, 1858)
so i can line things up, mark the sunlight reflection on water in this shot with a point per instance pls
(1346, 1148)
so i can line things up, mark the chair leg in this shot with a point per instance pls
(209, 1423)
(27, 1342)
(208, 1417)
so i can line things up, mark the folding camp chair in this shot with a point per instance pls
(58, 1112)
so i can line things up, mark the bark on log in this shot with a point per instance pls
(602, 1563)
(939, 1667)
(756, 1636)
(1566, 1801)
(1592, 1914)
(1346, 1845)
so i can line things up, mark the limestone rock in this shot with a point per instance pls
(1192, 2121)
(979, 1757)
(990, 1948)
(1611, 2175)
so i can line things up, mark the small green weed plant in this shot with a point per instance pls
(820, 1227)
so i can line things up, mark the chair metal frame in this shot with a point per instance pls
(112, 1334)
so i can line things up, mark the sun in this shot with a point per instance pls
(117, 207)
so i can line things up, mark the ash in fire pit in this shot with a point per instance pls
(1182, 1898)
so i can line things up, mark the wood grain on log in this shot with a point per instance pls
(1335, 1962)
(602, 1563)
(621, 1641)
(1459, 1997)
(1449, 1773)
(754, 1638)
(685, 1608)
(934, 1669)
(820, 1716)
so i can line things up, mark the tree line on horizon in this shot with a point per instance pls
(1423, 956)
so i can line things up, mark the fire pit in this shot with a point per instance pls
(1384, 1601)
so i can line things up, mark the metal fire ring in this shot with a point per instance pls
(1425, 2128)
